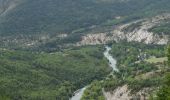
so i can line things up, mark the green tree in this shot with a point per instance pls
(169, 56)
(164, 92)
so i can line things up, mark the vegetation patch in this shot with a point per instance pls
(157, 60)
(49, 76)
(163, 28)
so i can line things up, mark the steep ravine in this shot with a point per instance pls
(112, 62)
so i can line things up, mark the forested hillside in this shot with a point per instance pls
(44, 76)
(140, 74)
(164, 92)
(49, 49)
(64, 16)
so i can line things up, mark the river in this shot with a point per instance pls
(112, 62)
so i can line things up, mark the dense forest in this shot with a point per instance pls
(64, 16)
(42, 76)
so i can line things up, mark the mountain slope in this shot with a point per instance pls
(55, 16)
(44, 76)
(7, 5)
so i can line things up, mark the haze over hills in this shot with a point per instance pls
(56, 16)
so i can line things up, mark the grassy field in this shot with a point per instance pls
(157, 60)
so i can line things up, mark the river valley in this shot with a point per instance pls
(112, 62)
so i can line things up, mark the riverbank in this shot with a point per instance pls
(112, 63)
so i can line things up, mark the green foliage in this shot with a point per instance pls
(164, 92)
(137, 84)
(132, 65)
(49, 76)
(112, 83)
(168, 55)
(55, 16)
(2, 97)
(157, 60)
(131, 57)
(94, 92)
(162, 28)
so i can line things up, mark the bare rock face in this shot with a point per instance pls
(121, 93)
(93, 39)
(142, 35)
(138, 34)
(147, 37)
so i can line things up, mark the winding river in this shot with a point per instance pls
(112, 62)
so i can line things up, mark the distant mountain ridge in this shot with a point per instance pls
(56, 16)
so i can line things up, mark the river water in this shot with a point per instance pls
(112, 62)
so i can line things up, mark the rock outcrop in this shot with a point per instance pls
(138, 34)
(123, 93)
